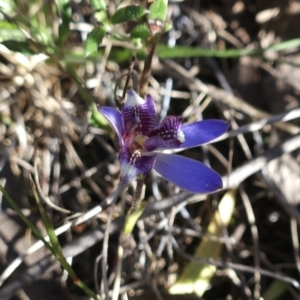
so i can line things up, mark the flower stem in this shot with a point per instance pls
(138, 192)
(130, 71)
(147, 68)
(119, 189)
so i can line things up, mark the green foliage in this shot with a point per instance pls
(128, 13)
(93, 40)
(10, 31)
(98, 4)
(164, 51)
(158, 10)
(140, 31)
(66, 15)
(98, 120)
(18, 46)
(141, 54)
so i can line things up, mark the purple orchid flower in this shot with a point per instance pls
(141, 141)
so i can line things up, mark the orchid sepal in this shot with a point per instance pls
(187, 173)
(202, 132)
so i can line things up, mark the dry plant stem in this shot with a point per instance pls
(96, 282)
(55, 248)
(255, 239)
(147, 68)
(90, 238)
(232, 180)
(257, 164)
(83, 218)
(257, 125)
(117, 282)
(228, 243)
(234, 266)
(138, 192)
(80, 165)
(242, 141)
(102, 67)
(47, 264)
(223, 96)
(292, 212)
(295, 240)
(219, 156)
(130, 71)
(39, 190)
(86, 174)
(131, 286)
(106, 239)
(138, 195)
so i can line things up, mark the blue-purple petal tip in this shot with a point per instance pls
(202, 132)
(187, 173)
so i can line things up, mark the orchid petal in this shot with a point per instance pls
(134, 163)
(169, 128)
(157, 143)
(115, 119)
(202, 132)
(138, 113)
(187, 173)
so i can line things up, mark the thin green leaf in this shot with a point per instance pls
(164, 51)
(47, 223)
(10, 31)
(182, 51)
(57, 251)
(19, 46)
(93, 40)
(285, 45)
(128, 13)
(25, 219)
(66, 15)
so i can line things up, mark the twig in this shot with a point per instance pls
(222, 96)
(234, 266)
(230, 181)
(255, 239)
(106, 239)
(257, 164)
(127, 79)
(92, 237)
(257, 125)
(39, 190)
(295, 240)
(58, 231)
